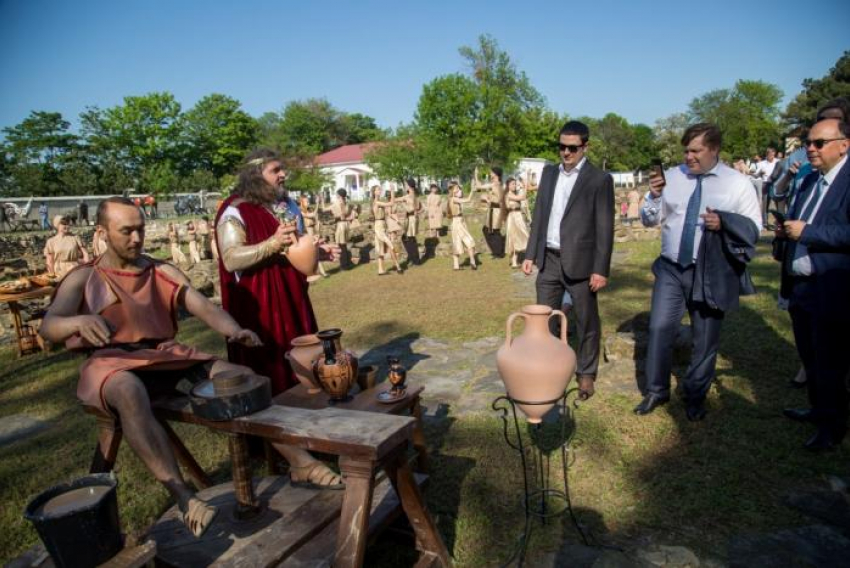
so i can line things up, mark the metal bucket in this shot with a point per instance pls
(78, 521)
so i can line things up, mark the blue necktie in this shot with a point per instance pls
(810, 206)
(686, 245)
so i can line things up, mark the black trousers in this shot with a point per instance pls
(670, 298)
(822, 344)
(551, 283)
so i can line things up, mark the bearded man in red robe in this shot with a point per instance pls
(262, 291)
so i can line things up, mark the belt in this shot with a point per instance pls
(556, 252)
(129, 347)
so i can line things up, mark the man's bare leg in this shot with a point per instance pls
(126, 393)
(303, 466)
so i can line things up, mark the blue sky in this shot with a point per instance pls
(643, 60)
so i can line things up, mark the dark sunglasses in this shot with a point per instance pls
(573, 148)
(820, 142)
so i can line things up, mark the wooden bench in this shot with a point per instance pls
(366, 443)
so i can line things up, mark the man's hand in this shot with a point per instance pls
(793, 229)
(712, 219)
(527, 267)
(779, 231)
(283, 236)
(656, 185)
(597, 282)
(93, 329)
(328, 251)
(795, 167)
(245, 337)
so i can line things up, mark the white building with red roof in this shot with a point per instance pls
(347, 168)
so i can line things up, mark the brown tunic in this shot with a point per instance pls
(140, 307)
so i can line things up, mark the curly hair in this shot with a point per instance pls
(250, 184)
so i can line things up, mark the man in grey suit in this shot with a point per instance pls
(572, 236)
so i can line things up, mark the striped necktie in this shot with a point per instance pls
(686, 244)
(810, 206)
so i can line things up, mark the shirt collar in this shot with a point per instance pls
(712, 172)
(573, 171)
(830, 176)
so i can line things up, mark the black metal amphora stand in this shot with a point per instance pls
(541, 500)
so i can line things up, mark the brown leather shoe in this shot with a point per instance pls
(585, 387)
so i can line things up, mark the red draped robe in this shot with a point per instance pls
(270, 299)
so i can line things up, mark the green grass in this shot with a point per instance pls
(658, 476)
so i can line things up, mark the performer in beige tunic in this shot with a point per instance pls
(192, 237)
(412, 208)
(383, 243)
(634, 204)
(177, 256)
(63, 251)
(311, 223)
(494, 198)
(516, 229)
(434, 205)
(122, 309)
(342, 212)
(203, 231)
(461, 239)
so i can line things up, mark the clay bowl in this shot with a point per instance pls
(366, 377)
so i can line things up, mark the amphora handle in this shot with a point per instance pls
(563, 324)
(511, 318)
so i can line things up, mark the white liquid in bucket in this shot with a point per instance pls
(72, 500)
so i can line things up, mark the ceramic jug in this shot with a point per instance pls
(304, 352)
(336, 369)
(536, 366)
(303, 255)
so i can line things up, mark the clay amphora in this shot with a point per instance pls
(303, 255)
(536, 367)
(337, 368)
(304, 352)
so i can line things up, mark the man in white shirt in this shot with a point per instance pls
(816, 281)
(764, 172)
(686, 202)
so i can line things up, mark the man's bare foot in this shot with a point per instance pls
(315, 475)
(198, 516)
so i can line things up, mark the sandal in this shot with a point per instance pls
(311, 478)
(199, 516)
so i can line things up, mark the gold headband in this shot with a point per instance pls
(256, 162)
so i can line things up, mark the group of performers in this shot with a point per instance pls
(201, 239)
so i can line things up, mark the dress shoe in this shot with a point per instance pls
(695, 412)
(822, 441)
(649, 403)
(798, 414)
(586, 388)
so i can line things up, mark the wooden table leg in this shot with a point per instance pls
(428, 539)
(108, 440)
(15, 312)
(243, 484)
(356, 507)
(419, 438)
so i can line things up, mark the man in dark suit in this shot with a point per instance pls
(816, 281)
(572, 236)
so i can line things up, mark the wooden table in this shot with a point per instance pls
(28, 339)
(366, 443)
(367, 401)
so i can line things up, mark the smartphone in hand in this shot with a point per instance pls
(780, 217)
(657, 169)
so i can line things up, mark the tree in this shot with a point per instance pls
(747, 115)
(33, 153)
(447, 127)
(399, 158)
(141, 133)
(668, 133)
(539, 134)
(504, 95)
(217, 133)
(802, 110)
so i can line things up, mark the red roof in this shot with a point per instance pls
(344, 154)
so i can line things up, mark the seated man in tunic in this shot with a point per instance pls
(122, 309)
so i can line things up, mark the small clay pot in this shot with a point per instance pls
(303, 255)
(304, 352)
